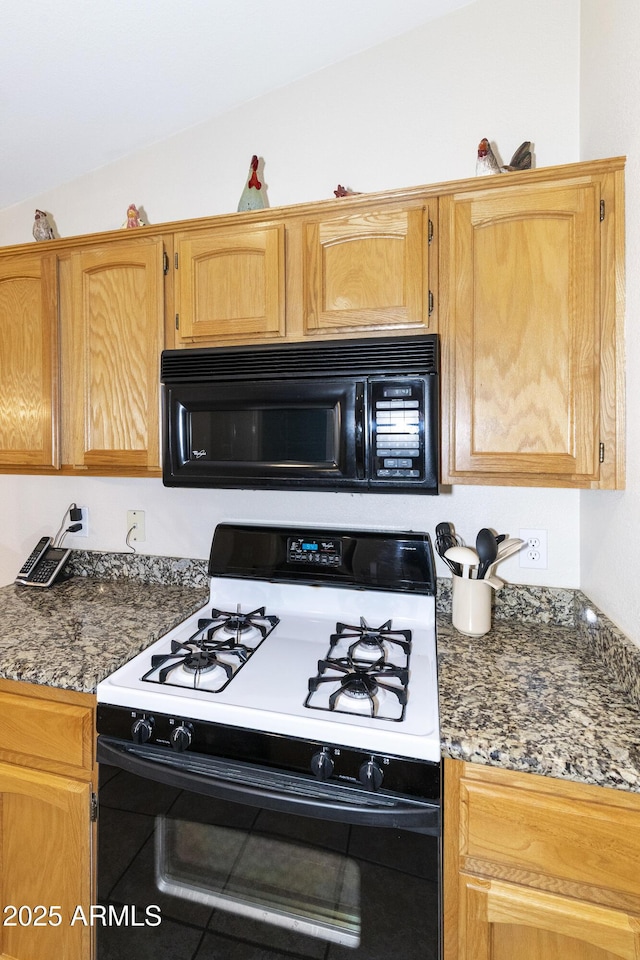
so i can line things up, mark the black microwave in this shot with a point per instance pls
(359, 415)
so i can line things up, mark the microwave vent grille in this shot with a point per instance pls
(385, 356)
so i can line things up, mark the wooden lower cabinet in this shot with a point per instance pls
(539, 869)
(46, 825)
(504, 921)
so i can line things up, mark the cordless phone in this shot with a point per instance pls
(44, 564)
(33, 558)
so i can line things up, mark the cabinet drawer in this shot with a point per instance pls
(585, 836)
(503, 921)
(51, 734)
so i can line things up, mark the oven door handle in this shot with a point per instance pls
(270, 789)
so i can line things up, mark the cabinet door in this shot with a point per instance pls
(230, 284)
(45, 850)
(367, 271)
(504, 921)
(520, 319)
(28, 362)
(113, 356)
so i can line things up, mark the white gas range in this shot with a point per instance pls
(270, 769)
(320, 639)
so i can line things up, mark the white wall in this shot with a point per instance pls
(407, 112)
(610, 126)
(411, 111)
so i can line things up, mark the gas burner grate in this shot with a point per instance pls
(208, 660)
(237, 623)
(361, 679)
(373, 637)
(370, 673)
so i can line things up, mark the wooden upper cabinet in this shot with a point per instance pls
(522, 276)
(367, 271)
(306, 275)
(528, 349)
(28, 362)
(112, 356)
(230, 284)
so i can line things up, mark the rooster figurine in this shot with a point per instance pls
(42, 229)
(252, 197)
(487, 165)
(133, 218)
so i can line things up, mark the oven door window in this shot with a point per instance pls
(287, 883)
(232, 881)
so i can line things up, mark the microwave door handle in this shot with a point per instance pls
(360, 430)
(256, 786)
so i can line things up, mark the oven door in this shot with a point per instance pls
(264, 433)
(201, 858)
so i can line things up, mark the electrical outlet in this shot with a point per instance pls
(135, 525)
(534, 552)
(84, 520)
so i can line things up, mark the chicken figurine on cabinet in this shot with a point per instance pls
(487, 164)
(133, 218)
(42, 229)
(253, 196)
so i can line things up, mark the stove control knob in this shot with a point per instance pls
(181, 737)
(370, 775)
(142, 729)
(322, 766)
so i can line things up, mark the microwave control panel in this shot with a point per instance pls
(397, 429)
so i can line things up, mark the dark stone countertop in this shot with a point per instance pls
(75, 633)
(557, 699)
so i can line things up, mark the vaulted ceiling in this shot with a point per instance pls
(85, 82)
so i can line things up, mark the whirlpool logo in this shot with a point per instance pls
(198, 454)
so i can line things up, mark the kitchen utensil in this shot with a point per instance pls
(494, 581)
(507, 547)
(445, 538)
(465, 556)
(487, 550)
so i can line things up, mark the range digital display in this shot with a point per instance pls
(317, 552)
